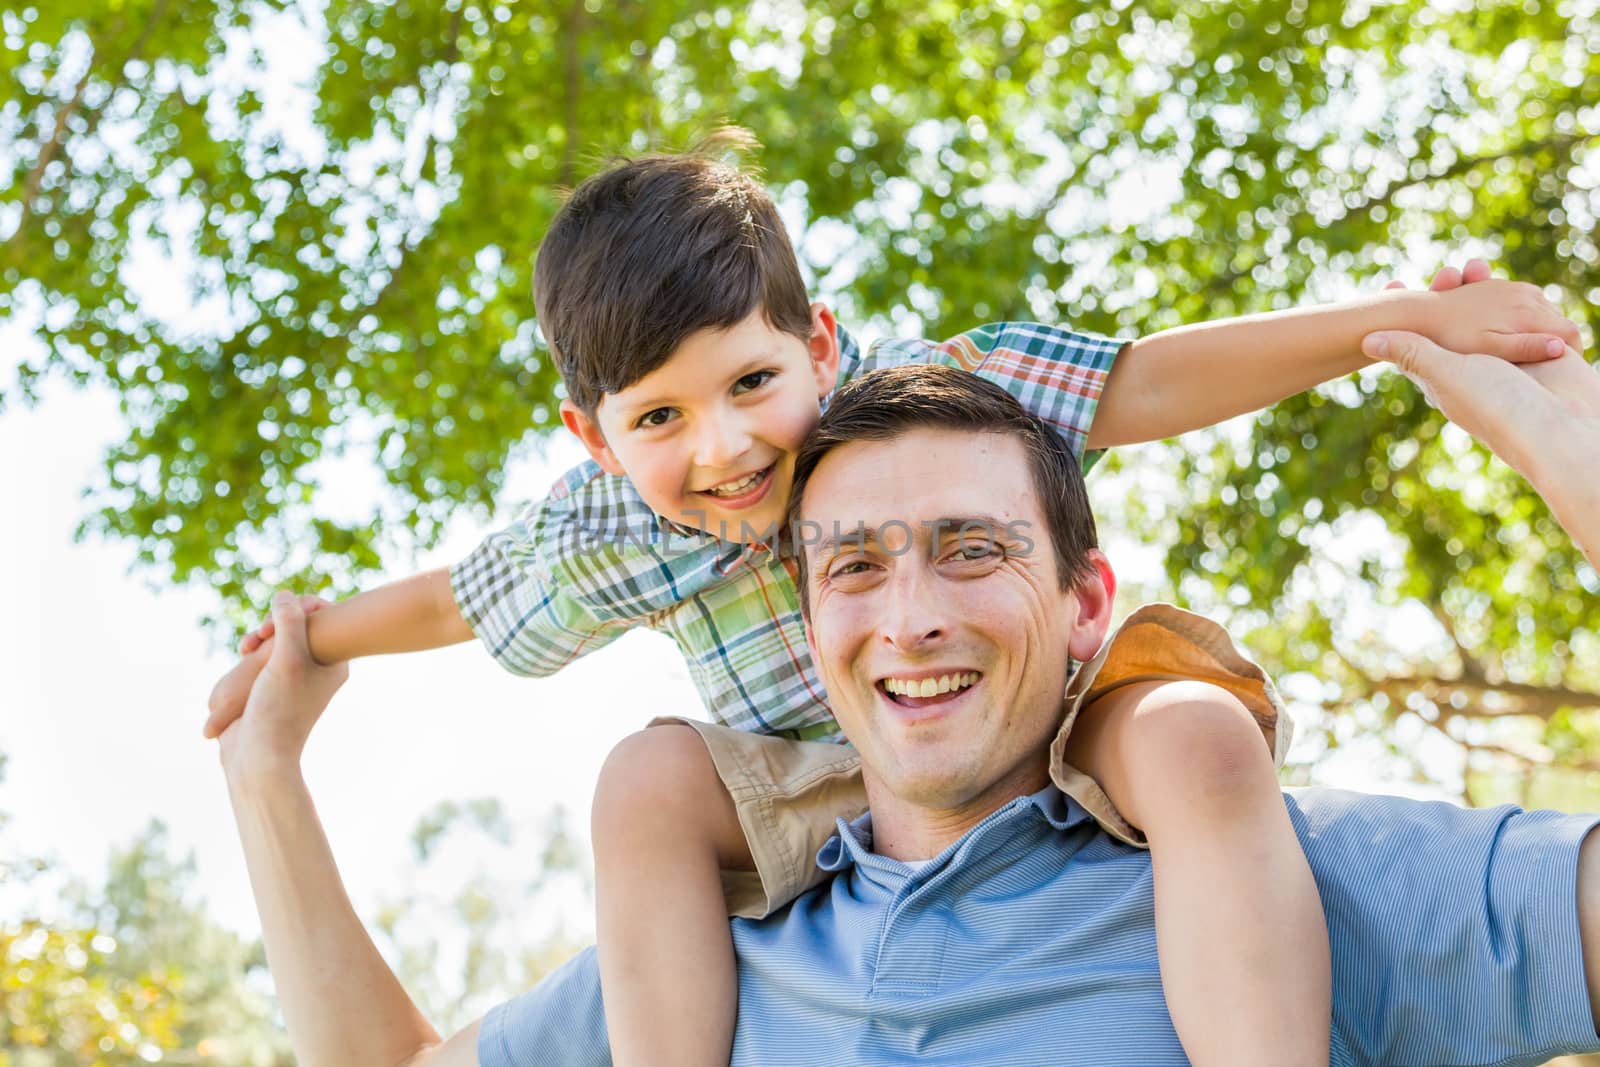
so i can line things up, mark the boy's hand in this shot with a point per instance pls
(1511, 320)
(228, 696)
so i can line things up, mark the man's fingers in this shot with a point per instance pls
(1413, 354)
(289, 625)
(1476, 270)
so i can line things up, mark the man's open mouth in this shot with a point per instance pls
(928, 690)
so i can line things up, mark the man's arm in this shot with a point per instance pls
(1589, 916)
(342, 1003)
(1542, 419)
(1194, 376)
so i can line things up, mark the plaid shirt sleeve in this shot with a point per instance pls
(571, 575)
(1057, 374)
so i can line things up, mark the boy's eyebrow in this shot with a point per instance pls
(749, 366)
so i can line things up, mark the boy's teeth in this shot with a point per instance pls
(930, 687)
(735, 488)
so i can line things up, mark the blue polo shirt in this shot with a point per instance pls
(1031, 941)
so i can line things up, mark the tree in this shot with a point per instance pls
(489, 908)
(129, 972)
(356, 250)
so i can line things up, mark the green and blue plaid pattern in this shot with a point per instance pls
(592, 560)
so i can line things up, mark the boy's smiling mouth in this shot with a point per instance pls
(745, 489)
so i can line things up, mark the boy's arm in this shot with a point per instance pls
(410, 615)
(1195, 376)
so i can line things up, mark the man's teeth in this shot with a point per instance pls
(930, 687)
(743, 485)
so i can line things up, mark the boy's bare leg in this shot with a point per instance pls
(1239, 925)
(664, 828)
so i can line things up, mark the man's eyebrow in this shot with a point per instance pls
(861, 535)
(953, 524)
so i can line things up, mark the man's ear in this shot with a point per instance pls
(587, 430)
(824, 348)
(1092, 608)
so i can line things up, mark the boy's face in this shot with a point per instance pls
(709, 437)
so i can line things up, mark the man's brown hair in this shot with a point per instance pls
(886, 404)
(652, 250)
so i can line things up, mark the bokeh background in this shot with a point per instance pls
(266, 320)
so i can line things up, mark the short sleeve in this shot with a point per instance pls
(1056, 373)
(571, 575)
(1454, 931)
(560, 1022)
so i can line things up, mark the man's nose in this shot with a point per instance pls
(915, 616)
(723, 439)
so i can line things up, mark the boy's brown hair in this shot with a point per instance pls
(654, 249)
(885, 404)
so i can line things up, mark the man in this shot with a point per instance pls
(976, 915)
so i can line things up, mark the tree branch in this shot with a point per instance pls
(56, 142)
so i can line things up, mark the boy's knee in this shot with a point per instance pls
(1202, 740)
(660, 774)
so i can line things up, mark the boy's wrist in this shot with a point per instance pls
(1412, 310)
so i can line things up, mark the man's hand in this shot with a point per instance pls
(286, 698)
(1520, 412)
(232, 690)
(1543, 419)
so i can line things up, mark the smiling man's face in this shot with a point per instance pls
(969, 608)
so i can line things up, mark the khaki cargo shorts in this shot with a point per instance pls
(789, 794)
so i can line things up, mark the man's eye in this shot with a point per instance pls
(754, 381)
(658, 417)
(849, 568)
(978, 551)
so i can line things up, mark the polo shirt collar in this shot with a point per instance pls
(852, 845)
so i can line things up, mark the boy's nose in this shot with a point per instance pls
(721, 442)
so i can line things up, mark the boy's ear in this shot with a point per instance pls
(824, 347)
(587, 430)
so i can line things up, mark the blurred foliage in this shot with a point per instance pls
(291, 236)
(488, 910)
(131, 971)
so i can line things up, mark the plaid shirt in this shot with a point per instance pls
(593, 560)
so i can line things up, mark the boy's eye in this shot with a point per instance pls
(753, 381)
(657, 417)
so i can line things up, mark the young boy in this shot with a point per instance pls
(695, 365)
